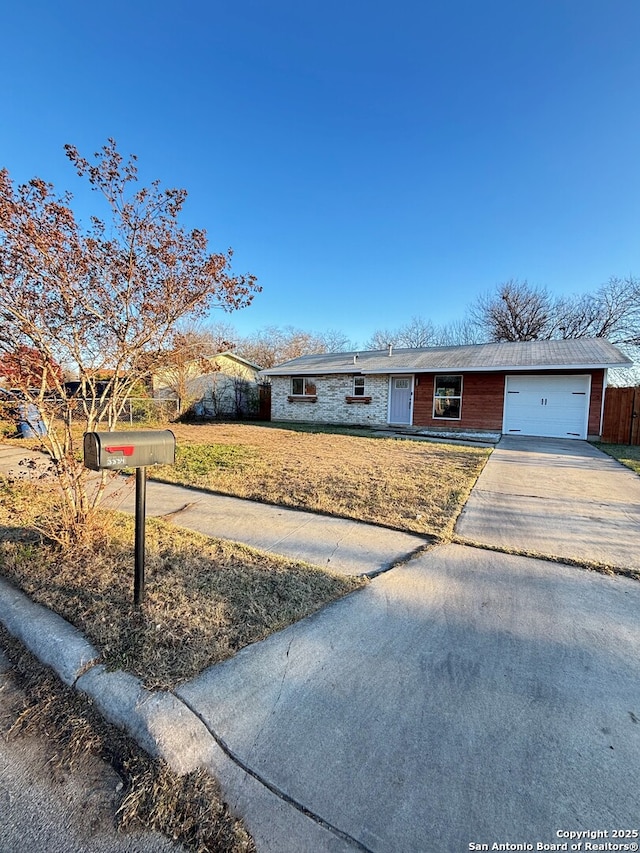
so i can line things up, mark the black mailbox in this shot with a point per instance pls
(135, 449)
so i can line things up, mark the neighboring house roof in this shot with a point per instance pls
(228, 354)
(236, 357)
(581, 354)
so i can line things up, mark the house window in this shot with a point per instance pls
(358, 386)
(447, 397)
(303, 386)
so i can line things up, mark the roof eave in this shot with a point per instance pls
(503, 368)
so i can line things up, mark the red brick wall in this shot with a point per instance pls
(483, 400)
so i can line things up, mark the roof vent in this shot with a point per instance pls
(355, 357)
(390, 349)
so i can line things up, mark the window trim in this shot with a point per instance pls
(458, 397)
(305, 397)
(358, 390)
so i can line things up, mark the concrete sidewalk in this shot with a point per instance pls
(557, 498)
(338, 544)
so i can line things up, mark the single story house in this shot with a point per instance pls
(216, 386)
(542, 388)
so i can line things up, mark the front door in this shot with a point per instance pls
(400, 399)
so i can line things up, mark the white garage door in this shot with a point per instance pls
(549, 406)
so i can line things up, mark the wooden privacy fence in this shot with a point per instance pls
(621, 424)
(264, 405)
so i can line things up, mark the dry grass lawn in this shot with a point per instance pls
(409, 485)
(626, 454)
(205, 598)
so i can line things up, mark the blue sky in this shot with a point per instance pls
(368, 161)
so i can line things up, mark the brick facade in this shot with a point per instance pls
(482, 401)
(331, 404)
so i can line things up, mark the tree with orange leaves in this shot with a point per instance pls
(105, 299)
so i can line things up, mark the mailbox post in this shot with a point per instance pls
(141, 511)
(113, 451)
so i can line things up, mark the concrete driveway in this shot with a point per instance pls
(558, 498)
(466, 697)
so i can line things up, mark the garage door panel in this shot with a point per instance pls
(548, 406)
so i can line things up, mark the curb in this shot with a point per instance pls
(48, 636)
(158, 721)
(166, 728)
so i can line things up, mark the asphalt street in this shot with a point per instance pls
(45, 808)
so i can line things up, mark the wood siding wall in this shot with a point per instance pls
(595, 407)
(483, 400)
(622, 416)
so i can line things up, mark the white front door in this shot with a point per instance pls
(400, 399)
(549, 406)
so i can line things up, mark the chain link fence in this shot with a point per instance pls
(17, 415)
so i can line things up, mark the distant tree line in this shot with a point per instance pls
(271, 344)
(513, 311)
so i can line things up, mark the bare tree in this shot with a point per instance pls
(103, 299)
(275, 344)
(458, 333)
(515, 312)
(221, 334)
(616, 311)
(381, 339)
(334, 340)
(417, 333)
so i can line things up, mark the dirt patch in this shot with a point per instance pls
(72, 781)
